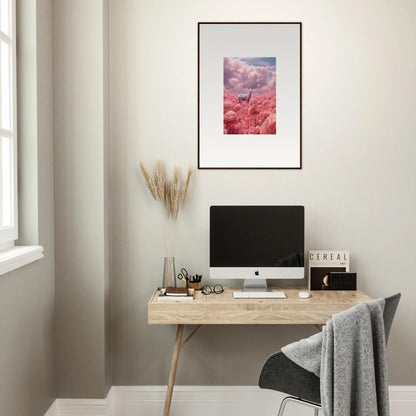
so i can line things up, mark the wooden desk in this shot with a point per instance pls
(223, 309)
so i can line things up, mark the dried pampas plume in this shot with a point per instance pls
(149, 180)
(166, 196)
(175, 193)
(186, 184)
(160, 181)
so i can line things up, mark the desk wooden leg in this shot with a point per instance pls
(173, 368)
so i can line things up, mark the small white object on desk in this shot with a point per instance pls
(304, 295)
(259, 295)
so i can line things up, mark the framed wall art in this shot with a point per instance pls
(249, 95)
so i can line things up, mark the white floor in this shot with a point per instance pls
(205, 401)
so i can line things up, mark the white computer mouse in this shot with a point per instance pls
(304, 295)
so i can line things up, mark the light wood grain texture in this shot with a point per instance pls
(173, 367)
(224, 309)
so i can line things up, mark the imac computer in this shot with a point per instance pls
(256, 243)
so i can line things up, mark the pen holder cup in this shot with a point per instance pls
(194, 286)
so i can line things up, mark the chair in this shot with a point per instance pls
(282, 374)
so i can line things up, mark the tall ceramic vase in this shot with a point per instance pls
(169, 274)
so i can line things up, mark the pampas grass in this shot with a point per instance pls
(149, 180)
(160, 181)
(171, 195)
(186, 184)
(166, 198)
(175, 193)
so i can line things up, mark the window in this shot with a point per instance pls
(11, 256)
(8, 145)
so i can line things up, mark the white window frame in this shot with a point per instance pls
(9, 234)
(11, 256)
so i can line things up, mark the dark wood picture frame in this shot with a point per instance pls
(203, 166)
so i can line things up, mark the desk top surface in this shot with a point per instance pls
(224, 309)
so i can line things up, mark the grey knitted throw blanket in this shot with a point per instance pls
(349, 357)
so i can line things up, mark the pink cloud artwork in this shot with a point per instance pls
(249, 95)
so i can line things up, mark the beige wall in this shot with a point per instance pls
(27, 294)
(358, 181)
(82, 341)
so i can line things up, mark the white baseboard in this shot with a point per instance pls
(204, 401)
(85, 407)
(196, 401)
(402, 400)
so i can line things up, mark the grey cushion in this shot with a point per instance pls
(282, 374)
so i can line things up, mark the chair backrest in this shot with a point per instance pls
(390, 308)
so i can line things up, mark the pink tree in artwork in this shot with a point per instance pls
(249, 96)
(230, 119)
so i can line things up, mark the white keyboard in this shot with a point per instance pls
(259, 295)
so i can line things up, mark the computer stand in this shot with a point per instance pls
(255, 285)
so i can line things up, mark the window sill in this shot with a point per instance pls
(19, 256)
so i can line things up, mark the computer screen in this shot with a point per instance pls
(257, 242)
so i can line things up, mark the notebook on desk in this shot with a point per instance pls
(176, 297)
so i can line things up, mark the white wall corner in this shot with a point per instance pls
(53, 410)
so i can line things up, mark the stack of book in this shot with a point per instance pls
(176, 293)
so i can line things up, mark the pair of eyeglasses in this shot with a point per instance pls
(217, 289)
